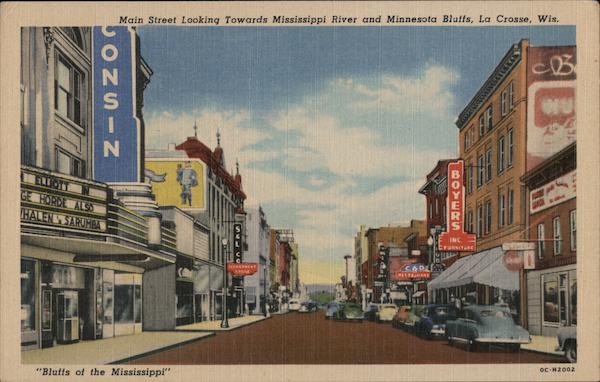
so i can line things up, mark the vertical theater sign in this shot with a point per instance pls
(455, 239)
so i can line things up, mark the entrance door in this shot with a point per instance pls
(67, 316)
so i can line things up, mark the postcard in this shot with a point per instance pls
(291, 191)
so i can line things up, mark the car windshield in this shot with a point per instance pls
(443, 310)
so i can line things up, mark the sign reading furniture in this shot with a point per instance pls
(456, 239)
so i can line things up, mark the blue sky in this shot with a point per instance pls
(333, 127)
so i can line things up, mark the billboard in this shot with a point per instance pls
(117, 142)
(551, 119)
(178, 182)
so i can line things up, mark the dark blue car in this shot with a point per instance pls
(433, 320)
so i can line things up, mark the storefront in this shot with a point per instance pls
(481, 278)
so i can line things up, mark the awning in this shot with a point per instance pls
(486, 267)
(418, 294)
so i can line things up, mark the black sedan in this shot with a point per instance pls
(433, 320)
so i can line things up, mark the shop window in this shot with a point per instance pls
(138, 304)
(488, 165)
(124, 304)
(573, 301)
(550, 299)
(557, 236)
(573, 229)
(501, 154)
(27, 295)
(541, 236)
(511, 148)
(68, 93)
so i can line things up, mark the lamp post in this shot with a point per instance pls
(224, 322)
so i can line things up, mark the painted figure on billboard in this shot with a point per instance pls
(187, 178)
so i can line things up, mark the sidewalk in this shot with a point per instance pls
(110, 350)
(215, 326)
(541, 344)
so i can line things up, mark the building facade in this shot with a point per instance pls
(258, 285)
(91, 262)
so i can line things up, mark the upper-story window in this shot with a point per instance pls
(75, 35)
(481, 125)
(488, 165)
(507, 99)
(469, 178)
(489, 119)
(504, 102)
(467, 139)
(68, 94)
(480, 171)
(473, 135)
(511, 95)
(501, 154)
(511, 148)
(69, 164)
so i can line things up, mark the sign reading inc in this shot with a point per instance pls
(117, 146)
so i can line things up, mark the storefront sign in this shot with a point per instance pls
(237, 243)
(383, 262)
(242, 269)
(117, 143)
(456, 239)
(551, 119)
(553, 193)
(55, 200)
(513, 260)
(413, 271)
(518, 246)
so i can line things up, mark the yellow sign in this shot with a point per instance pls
(178, 182)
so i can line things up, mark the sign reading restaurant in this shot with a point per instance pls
(61, 201)
(456, 239)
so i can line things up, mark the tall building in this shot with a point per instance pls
(521, 115)
(294, 262)
(360, 255)
(258, 285)
(92, 259)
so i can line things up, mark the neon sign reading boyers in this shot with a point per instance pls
(116, 127)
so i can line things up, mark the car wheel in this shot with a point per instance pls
(471, 345)
(514, 348)
(571, 351)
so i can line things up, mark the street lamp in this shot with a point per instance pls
(224, 322)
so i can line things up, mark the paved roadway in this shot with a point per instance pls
(307, 338)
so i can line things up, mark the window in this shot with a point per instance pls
(488, 118)
(488, 216)
(472, 135)
(511, 95)
(470, 221)
(469, 178)
(481, 125)
(466, 140)
(573, 229)
(430, 210)
(550, 298)
(501, 154)
(479, 220)
(501, 210)
(68, 92)
(573, 300)
(124, 304)
(541, 236)
(68, 164)
(504, 102)
(488, 165)
(480, 172)
(511, 207)
(28, 293)
(556, 235)
(437, 212)
(510, 148)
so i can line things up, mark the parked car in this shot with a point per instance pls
(433, 320)
(331, 309)
(294, 304)
(386, 313)
(349, 311)
(486, 324)
(307, 307)
(371, 312)
(567, 342)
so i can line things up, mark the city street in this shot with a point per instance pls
(308, 338)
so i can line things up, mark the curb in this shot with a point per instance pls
(154, 351)
(557, 354)
(214, 331)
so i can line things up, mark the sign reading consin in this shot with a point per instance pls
(61, 201)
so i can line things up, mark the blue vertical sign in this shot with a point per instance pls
(117, 146)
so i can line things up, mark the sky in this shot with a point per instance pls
(333, 127)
